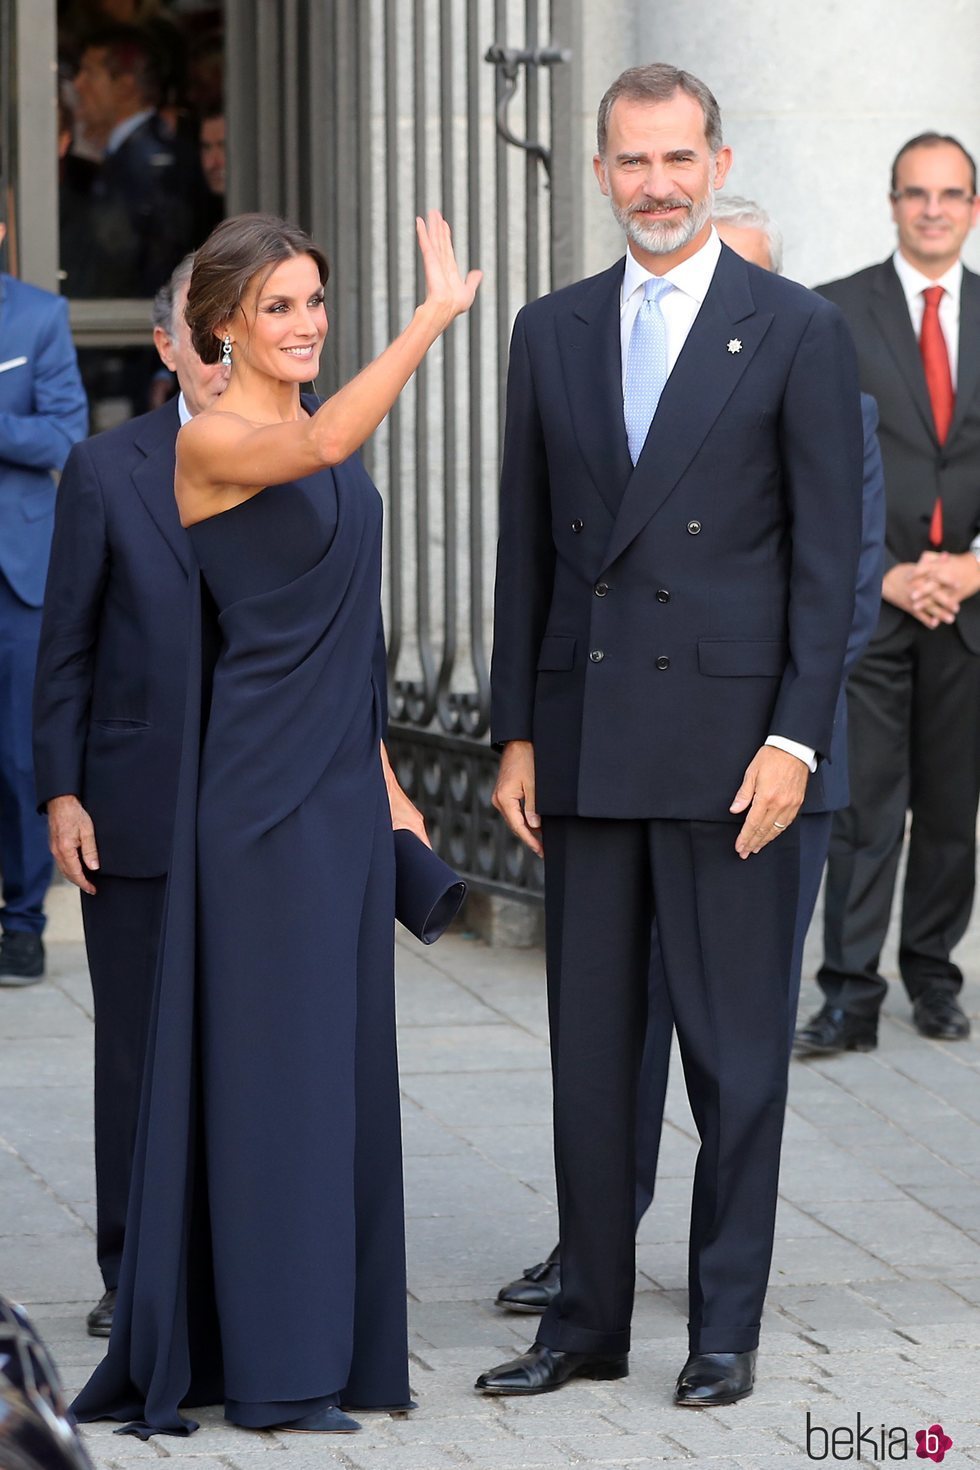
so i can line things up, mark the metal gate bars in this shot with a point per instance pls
(353, 116)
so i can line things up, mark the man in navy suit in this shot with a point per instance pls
(144, 194)
(42, 414)
(109, 702)
(679, 536)
(750, 231)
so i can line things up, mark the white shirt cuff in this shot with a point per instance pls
(803, 753)
(975, 546)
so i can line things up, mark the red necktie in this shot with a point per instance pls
(939, 381)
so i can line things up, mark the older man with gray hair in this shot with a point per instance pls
(108, 715)
(749, 230)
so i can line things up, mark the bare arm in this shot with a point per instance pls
(220, 451)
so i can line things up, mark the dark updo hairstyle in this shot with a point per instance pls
(232, 255)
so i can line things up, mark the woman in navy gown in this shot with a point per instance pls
(264, 1262)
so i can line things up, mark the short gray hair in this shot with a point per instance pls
(163, 301)
(657, 83)
(745, 214)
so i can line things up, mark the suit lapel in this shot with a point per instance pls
(153, 476)
(592, 363)
(703, 379)
(890, 312)
(968, 360)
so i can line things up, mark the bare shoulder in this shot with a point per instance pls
(212, 428)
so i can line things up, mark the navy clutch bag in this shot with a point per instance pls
(428, 894)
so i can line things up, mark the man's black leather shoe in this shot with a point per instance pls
(99, 1320)
(542, 1369)
(708, 1379)
(832, 1030)
(536, 1289)
(21, 958)
(939, 1015)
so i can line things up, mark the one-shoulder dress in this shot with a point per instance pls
(264, 1262)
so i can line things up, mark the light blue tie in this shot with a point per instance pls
(646, 365)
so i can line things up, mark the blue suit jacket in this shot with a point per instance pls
(833, 792)
(654, 624)
(43, 412)
(112, 664)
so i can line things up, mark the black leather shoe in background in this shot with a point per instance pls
(708, 1379)
(939, 1015)
(832, 1030)
(536, 1289)
(542, 1369)
(21, 958)
(99, 1320)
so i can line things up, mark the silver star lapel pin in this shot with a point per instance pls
(734, 346)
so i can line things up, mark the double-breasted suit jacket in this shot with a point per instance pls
(655, 624)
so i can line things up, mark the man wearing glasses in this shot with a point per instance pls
(914, 699)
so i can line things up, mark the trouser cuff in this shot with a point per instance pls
(723, 1339)
(568, 1337)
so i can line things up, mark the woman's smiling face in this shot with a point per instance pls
(286, 322)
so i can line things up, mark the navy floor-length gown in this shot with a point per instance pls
(264, 1261)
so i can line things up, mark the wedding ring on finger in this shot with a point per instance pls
(780, 826)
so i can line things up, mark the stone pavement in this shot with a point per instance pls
(875, 1281)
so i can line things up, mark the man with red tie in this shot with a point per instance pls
(914, 699)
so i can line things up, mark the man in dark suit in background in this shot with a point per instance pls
(42, 414)
(142, 200)
(680, 526)
(750, 231)
(914, 699)
(108, 718)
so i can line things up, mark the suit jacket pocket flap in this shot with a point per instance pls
(557, 652)
(725, 656)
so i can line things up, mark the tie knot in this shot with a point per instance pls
(932, 296)
(656, 287)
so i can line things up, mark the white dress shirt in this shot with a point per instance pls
(183, 411)
(680, 307)
(913, 283)
(125, 129)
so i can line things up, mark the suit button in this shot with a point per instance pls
(663, 662)
(578, 526)
(597, 655)
(694, 528)
(601, 589)
(663, 595)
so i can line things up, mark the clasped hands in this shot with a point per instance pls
(933, 589)
(771, 794)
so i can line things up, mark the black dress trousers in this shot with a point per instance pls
(726, 932)
(122, 935)
(913, 711)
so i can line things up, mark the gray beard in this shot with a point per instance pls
(665, 236)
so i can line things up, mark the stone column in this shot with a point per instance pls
(816, 99)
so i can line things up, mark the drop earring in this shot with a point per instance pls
(226, 351)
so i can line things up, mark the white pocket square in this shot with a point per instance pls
(12, 363)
